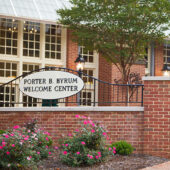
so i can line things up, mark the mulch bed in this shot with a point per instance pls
(117, 162)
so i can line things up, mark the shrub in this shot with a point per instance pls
(86, 146)
(20, 147)
(123, 148)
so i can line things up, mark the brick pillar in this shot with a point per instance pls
(72, 53)
(157, 116)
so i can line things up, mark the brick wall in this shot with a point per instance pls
(157, 118)
(120, 125)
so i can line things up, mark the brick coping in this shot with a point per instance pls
(156, 78)
(72, 109)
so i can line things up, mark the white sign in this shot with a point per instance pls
(51, 84)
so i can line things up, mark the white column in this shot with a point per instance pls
(64, 46)
(42, 45)
(20, 56)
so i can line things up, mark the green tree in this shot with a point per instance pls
(118, 29)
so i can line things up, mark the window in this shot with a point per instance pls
(31, 39)
(29, 67)
(88, 79)
(147, 60)
(167, 54)
(86, 98)
(7, 96)
(8, 69)
(8, 36)
(53, 42)
(86, 54)
(29, 101)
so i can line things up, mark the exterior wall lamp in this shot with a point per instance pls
(80, 62)
(166, 70)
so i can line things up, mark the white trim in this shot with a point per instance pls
(64, 47)
(72, 109)
(156, 78)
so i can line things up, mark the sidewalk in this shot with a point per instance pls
(163, 166)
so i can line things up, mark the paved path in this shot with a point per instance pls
(163, 166)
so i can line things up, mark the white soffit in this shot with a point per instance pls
(33, 9)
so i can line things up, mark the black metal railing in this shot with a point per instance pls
(95, 93)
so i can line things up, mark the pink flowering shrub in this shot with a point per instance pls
(86, 146)
(21, 147)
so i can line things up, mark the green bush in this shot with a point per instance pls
(21, 148)
(86, 146)
(123, 148)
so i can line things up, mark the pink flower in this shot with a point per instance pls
(77, 116)
(1, 147)
(26, 138)
(11, 134)
(92, 130)
(3, 143)
(16, 127)
(114, 152)
(65, 152)
(30, 156)
(46, 147)
(46, 138)
(99, 153)
(6, 136)
(104, 133)
(56, 147)
(49, 153)
(110, 149)
(69, 134)
(13, 145)
(114, 148)
(66, 144)
(77, 130)
(38, 153)
(93, 124)
(83, 143)
(85, 122)
(7, 153)
(97, 157)
(88, 155)
(78, 153)
(91, 157)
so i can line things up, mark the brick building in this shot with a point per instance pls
(30, 39)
